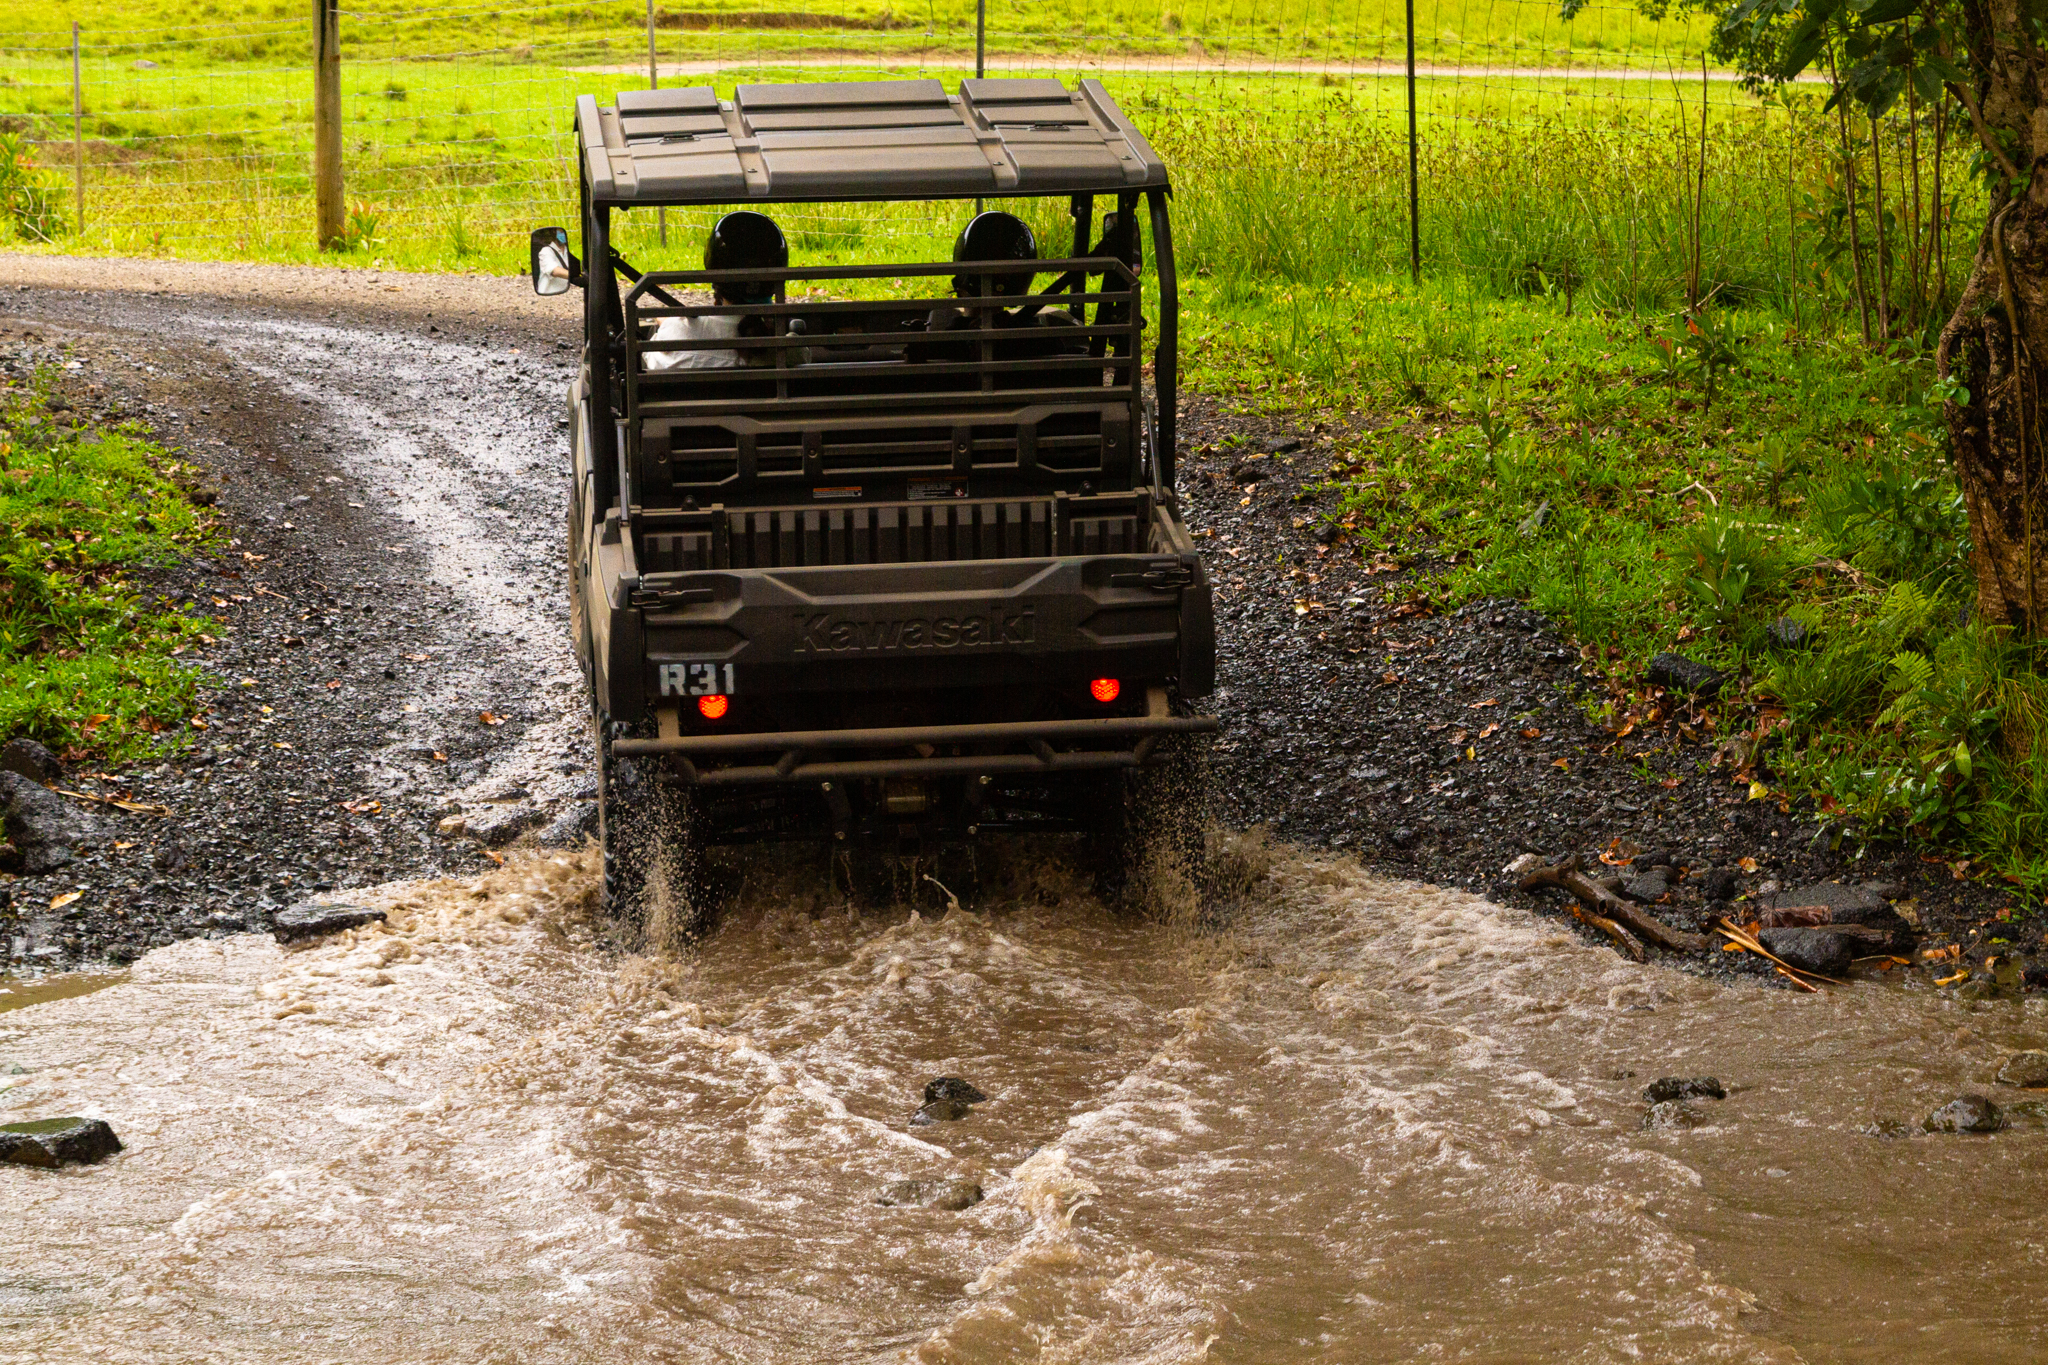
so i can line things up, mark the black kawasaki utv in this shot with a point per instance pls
(904, 564)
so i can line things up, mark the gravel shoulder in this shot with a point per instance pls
(394, 647)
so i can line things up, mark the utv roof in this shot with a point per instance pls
(853, 140)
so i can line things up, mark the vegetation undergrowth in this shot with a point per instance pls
(1773, 501)
(84, 664)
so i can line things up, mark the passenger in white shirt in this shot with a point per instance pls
(739, 241)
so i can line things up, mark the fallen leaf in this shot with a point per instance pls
(440, 757)
(1390, 678)
(58, 902)
(1563, 763)
(1471, 756)
(1758, 791)
(417, 658)
(334, 684)
(198, 723)
(1488, 730)
(490, 718)
(1732, 948)
(1962, 975)
(1532, 733)
(1669, 783)
(1746, 864)
(1490, 701)
(1948, 954)
(124, 843)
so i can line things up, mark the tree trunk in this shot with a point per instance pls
(1996, 437)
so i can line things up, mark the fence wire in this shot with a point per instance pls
(1600, 155)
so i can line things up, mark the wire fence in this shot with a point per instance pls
(1601, 157)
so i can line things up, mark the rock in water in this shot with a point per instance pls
(1683, 1088)
(42, 824)
(52, 1142)
(1811, 950)
(1965, 1114)
(2028, 1070)
(30, 759)
(940, 1111)
(955, 1194)
(308, 920)
(952, 1088)
(1681, 674)
(1672, 1114)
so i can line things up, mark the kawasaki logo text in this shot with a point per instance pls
(824, 633)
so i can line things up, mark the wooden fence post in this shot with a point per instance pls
(77, 127)
(327, 189)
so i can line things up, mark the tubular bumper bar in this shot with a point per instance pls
(1040, 735)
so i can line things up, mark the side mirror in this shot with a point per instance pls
(553, 268)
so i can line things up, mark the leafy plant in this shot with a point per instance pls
(26, 193)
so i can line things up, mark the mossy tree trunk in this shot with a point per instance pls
(1996, 344)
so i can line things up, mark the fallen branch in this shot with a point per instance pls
(1623, 939)
(1567, 876)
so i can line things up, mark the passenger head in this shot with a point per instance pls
(995, 236)
(745, 241)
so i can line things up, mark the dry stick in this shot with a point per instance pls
(1699, 193)
(1884, 265)
(1791, 214)
(1912, 143)
(1849, 190)
(1936, 229)
(1567, 876)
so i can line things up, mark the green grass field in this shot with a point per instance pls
(209, 34)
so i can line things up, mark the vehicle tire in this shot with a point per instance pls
(1150, 852)
(647, 821)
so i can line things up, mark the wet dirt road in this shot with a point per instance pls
(1375, 1121)
(1371, 1121)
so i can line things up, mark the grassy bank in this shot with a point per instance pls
(85, 663)
(1770, 499)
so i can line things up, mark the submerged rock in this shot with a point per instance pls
(1683, 1088)
(940, 1111)
(1966, 1114)
(955, 1194)
(308, 920)
(2028, 1070)
(1820, 951)
(952, 1088)
(52, 1142)
(1672, 1114)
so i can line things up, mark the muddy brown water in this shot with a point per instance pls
(1372, 1121)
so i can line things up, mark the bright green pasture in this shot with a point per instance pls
(180, 32)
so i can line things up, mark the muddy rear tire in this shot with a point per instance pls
(647, 822)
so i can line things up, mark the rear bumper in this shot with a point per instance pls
(881, 628)
(803, 756)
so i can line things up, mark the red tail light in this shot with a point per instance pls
(713, 707)
(1105, 690)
